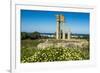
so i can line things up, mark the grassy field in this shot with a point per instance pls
(30, 53)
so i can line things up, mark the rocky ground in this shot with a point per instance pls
(76, 43)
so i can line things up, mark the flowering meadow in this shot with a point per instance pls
(29, 53)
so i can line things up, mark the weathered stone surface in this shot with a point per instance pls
(64, 44)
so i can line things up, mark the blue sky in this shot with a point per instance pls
(45, 21)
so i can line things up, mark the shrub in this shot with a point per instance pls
(53, 54)
(24, 35)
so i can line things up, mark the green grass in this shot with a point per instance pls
(30, 43)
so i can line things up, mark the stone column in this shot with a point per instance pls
(58, 27)
(63, 31)
(62, 23)
(58, 31)
(69, 33)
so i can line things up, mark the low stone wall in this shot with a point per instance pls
(64, 44)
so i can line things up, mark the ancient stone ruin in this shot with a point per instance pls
(61, 40)
(60, 20)
(63, 43)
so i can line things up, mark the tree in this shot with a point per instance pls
(24, 35)
(35, 35)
